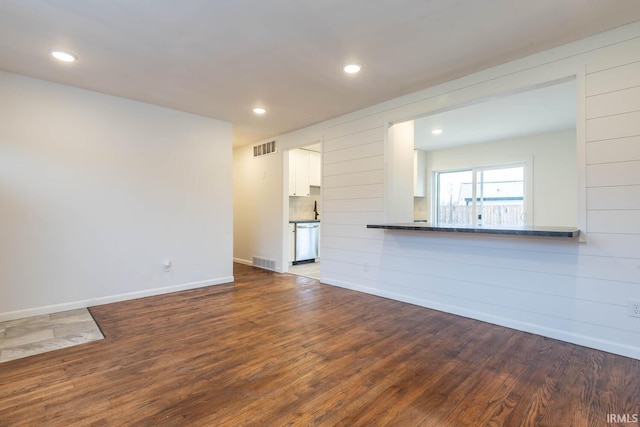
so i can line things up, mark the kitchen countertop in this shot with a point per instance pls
(303, 220)
(566, 232)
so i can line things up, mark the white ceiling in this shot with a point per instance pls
(541, 110)
(220, 58)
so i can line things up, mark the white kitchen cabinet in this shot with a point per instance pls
(419, 173)
(299, 173)
(302, 173)
(315, 175)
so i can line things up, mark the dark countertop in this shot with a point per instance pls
(304, 220)
(566, 232)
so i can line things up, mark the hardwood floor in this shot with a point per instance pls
(272, 350)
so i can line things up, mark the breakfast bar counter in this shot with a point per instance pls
(560, 232)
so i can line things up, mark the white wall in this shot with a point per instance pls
(577, 292)
(399, 172)
(97, 191)
(554, 170)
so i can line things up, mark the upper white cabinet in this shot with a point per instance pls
(419, 173)
(315, 176)
(299, 173)
(304, 171)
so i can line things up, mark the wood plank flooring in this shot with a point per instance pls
(275, 350)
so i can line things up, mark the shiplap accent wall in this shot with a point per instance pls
(577, 292)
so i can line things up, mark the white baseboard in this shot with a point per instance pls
(37, 311)
(583, 340)
(243, 261)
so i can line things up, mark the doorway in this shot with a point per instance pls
(304, 202)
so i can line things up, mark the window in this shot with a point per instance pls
(490, 196)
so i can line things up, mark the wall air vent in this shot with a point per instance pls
(267, 264)
(266, 148)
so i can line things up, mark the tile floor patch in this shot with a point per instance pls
(62, 330)
(39, 334)
(70, 313)
(24, 337)
(311, 269)
(44, 318)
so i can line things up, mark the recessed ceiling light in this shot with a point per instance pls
(352, 68)
(436, 131)
(259, 110)
(63, 56)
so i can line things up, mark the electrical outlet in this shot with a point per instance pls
(634, 308)
(365, 266)
(167, 265)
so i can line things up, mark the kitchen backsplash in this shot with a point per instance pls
(420, 208)
(301, 208)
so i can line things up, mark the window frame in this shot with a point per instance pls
(528, 187)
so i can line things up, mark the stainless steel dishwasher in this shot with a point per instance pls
(306, 241)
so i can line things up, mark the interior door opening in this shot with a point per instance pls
(304, 211)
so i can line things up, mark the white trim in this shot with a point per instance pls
(581, 152)
(47, 309)
(528, 189)
(284, 253)
(243, 261)
(388, 177)
(558, 334)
